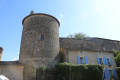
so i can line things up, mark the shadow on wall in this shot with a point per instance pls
(2, 77)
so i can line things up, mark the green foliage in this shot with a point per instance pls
(77, 35)
(118, 72)
(117, 58)
(68, 71)
(116, 53)
(43, 68)
(45, 73)
(34, 69)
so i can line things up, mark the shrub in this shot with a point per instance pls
(117, 58)
(68, 71)
(118, 72)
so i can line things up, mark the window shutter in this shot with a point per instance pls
(86, 62)
(104, 60)
(111, 61)
(78, 59)
(106, 73)
(98, 60)
(103, 76)
(114, 73)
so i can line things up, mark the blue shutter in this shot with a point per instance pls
(114, 73)
(78, 59)
(103, 76)
(111, 61)
(86, 62)
(104, 60)
(108, 73)
(98, 60)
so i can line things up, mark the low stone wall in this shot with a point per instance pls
(12, 70)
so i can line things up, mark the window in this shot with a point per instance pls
(42, 37)
(81, 60)
(111, 74)
(81, 53)
(101, 62)
(99, 54)
(108, 60)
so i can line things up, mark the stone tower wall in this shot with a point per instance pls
(1, 50)
(34, 52)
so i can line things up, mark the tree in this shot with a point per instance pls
(77, 35)
(117, 58)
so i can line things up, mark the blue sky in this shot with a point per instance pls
(96, 18)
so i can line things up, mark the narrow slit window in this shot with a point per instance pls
(42, 37)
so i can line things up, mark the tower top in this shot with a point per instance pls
(34, 14)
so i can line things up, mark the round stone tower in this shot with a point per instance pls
(1, 50)
(39, 44)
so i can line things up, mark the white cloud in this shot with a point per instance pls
(15, 59)
(61, 17)
(98, 9)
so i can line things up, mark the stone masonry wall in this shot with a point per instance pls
(95, 44)
(12, 70)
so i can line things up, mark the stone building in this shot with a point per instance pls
(42, 47)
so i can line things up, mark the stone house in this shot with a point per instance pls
(41, 46)
(91, 51)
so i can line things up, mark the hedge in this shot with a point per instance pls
(68, 71)
(118, 72)
(45, 73)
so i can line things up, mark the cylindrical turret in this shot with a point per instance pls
(1, 50)
(40, 41)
